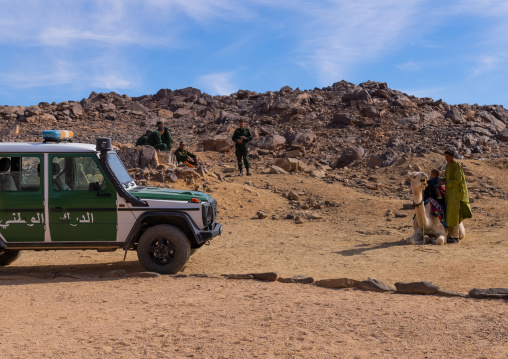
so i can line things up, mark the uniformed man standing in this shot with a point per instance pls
(160, 139)
(241, 137)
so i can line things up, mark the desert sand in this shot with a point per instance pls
(61, 305)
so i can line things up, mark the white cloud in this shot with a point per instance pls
(30, 74)
(409, 66)
(105, 72)
(489, 63)
(339, 35)
(111, 81)
(203, 11)
(217, 83)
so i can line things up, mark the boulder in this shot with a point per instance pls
(269, 276)
(384, 160)
(336, 283)
(261, 214)
(494, 293)
(503, 135)
(294, 153)
(10, 131)
(219, 143)
(300, 137)
(343, 118)
(283, 163)
(416, 288)
(361, 95)
(348, 156)
(455, 115)
(166, 158)
(181, 112)
(402, 101)
(148, 157)
(33, 110)
(487, 118)
(165, 113)
(76, 109)
(277, 170)
(375, 285)
(296, 279)
(371, 112)
(273, 142)
(130, 157)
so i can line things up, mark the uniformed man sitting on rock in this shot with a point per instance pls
(241, 137)
(142, 140)
(185, 156)
(160, 139)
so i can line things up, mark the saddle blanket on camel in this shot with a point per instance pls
(436, 209)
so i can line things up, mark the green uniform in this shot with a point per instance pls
(142, 140)
(181, 156)
(160, 142)
(456, 197)
(241, 149)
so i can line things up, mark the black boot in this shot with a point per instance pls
(248, 172)
(241, 173)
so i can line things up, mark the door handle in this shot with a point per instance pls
(56, 209)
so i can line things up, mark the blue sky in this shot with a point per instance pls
(56, 50)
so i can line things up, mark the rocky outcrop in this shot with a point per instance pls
(359, 126)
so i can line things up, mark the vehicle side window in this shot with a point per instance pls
(20, 174)
(75, 173)
(30, 177)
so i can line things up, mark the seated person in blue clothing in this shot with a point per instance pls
(434, 188)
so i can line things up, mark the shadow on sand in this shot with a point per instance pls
(64, 273)
(361, 248)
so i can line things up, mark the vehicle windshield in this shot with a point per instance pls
(119, 170)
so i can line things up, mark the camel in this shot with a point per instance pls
(431, 225)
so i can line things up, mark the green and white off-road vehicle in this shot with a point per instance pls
(62, 195)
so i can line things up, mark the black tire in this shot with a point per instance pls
(8, 256)
(163, 249)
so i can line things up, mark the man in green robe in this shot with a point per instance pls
(456, 197)
(160, 139)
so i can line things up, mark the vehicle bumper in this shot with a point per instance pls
(209, 234)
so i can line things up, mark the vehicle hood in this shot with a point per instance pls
(168, 194)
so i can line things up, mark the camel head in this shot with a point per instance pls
(418, 180)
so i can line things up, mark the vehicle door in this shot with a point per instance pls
(21, 198)
(82, 200)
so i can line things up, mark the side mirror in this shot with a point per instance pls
(94, 187)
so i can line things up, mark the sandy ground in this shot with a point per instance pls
(56, 305)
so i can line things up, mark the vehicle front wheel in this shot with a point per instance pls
(163, 249)
(8, 256)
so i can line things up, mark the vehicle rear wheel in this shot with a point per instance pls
(8, 256)
(163, 249)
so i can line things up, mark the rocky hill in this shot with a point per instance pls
(363, 127)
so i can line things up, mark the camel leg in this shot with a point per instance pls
(439, 239)
(439, 232)
(416, 238)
